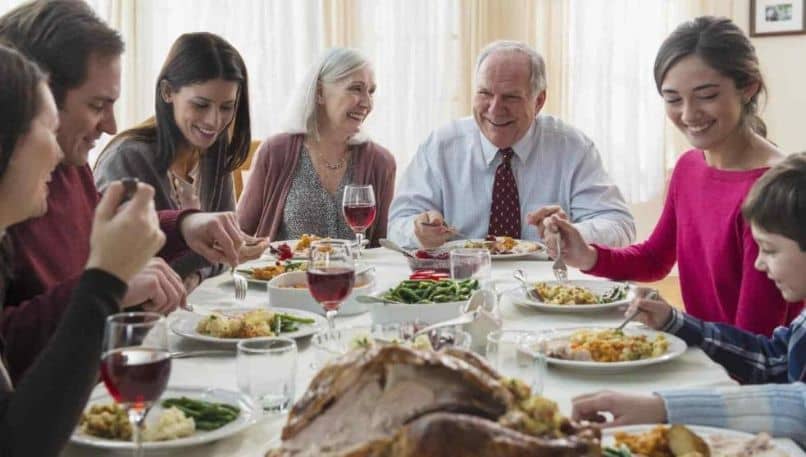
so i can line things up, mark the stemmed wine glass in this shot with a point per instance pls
(331, 275)
(135, 365)
(359, 209)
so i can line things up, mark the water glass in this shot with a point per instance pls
(267, 371)
(511, 353)
(471, 263)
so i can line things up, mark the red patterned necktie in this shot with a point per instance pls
(505, 211)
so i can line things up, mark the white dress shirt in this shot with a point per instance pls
(554, 164)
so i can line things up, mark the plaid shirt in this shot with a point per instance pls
(750, 358)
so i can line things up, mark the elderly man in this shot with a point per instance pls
(484, 175)
(82, 55)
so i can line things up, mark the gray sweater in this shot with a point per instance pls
(134, 158)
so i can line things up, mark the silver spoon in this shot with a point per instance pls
(389, 244)
(465, 318)
(527, 288)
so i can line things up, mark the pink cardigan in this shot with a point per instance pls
(260, 209)
(701, 227)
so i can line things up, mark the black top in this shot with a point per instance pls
(38, 417)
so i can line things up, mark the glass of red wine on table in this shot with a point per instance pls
(135, 365)
(358, 205)
(331, 275)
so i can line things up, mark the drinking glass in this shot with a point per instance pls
(267, 371)
(509, 352)
(358, 205)
(331, 275)
(471, 263)
(135, 365)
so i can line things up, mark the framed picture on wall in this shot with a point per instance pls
(777, 17)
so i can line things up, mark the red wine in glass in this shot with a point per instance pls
(135, 365)
(136, 375)
(330, 286)
(359, 216)
(358, 206)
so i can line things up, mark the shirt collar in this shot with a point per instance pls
(522, 148)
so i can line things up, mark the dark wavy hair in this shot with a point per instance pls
(777, 201)
(20, 99)
(726, 49)
(196, 58)
(60, 36)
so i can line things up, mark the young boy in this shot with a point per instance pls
(776, 210)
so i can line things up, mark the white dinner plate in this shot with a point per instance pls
(711, 435)
(249, 415)
(596, 286)
(677, 347)
(303, 253)
(524, 249)
(185, 325)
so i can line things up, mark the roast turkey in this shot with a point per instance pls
(394, 401)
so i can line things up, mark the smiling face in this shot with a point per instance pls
(705, 105)
(783, 261)
(24, 185)
(87, 109)
(345, 104)
(203, 111)
(504, 106)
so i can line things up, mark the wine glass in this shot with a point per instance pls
(331, 275)
(359, 209)
(135, 365)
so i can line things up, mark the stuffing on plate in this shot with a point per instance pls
(108, 421)
(250, 324)
(111, 422)
(270, 271)
(562, 294)
(605, 346)
(305, 242)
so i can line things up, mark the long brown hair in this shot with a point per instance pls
(196, 58)
(725, 48)
(20, 99)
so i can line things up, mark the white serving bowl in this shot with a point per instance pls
(281, 294)
(427, 313)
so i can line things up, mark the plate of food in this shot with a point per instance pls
(606, 349)
(298, 249)
(686, 440)
(503, 247)
(184, 416)
(236, 324)
(576, 295)
(263, 272)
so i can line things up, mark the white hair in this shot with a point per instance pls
(537, 67)
(334, 65)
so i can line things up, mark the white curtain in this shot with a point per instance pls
(414, 48)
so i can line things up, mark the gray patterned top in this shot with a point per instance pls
(310, 208)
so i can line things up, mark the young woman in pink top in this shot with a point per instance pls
(708, 75)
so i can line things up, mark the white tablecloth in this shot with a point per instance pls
(693, 369)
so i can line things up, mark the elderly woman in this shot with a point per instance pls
(36, 418)
(298, 180)
(185, 151)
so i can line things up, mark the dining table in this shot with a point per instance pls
(693, 369)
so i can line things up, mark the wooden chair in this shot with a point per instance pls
(238, 175)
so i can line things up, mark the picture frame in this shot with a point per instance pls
(777, 17)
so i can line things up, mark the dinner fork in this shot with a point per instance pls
(240, 284)
(559, 268)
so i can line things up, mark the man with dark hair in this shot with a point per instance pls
(82, 56)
